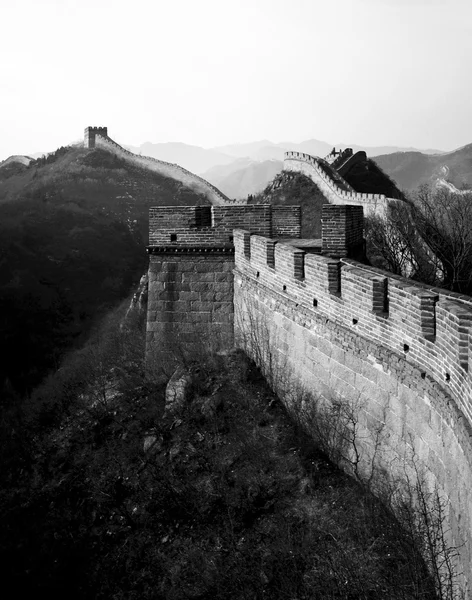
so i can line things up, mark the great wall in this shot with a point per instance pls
(97, 137)
(322, 324)
(330, 181)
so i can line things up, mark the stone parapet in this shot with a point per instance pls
(312, 166)
(198, 226)
(400, 353)
(431, 326)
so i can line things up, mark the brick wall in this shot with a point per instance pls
(311, 166)
(166, 169)
(286, 221)
(90, 133)
(214, 225)
(402, 352)
(342, 230)
(190, 272)
(190, 301)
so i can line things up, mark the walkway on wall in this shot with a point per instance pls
(335, 176)
(335, 188)
(167, 169)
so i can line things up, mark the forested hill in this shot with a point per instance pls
(288, 188)
(73, 230)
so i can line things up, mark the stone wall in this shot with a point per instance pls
(190, 301)
(191, 249)
(399, 353)
(312, 167)
(178, 226)
(167, 169)
(286, 221)
(90, 134)
(342, 230)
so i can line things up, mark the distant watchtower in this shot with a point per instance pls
(90, 133)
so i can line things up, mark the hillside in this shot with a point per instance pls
(411, 169)
(288, 188)
(13, 165)
(73, 231)
(367, 177)
(216, 496)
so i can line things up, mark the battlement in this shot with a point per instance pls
(180, 227)
(432, 328)
(91, 132)
(313, 167)
(98, 137)
(398, 352)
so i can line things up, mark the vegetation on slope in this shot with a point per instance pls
(428, 238)
(229, 501)
(366, 177)
(73, 229)
(289, 188)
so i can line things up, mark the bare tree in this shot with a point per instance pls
(444, 221)
(428, 238)
(391, 241)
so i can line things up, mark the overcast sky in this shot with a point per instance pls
(213, 72)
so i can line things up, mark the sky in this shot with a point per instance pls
(215, 72)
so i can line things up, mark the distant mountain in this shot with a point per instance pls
(250, 179)
(219, 172)
(381, 150)
(411, 169)
(244, 150)
(269, 153)
(267, 150)
(194, 158)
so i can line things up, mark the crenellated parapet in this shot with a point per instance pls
(98, 137)
(191, 266)
(323, 326)
(334, 187)
(175, 227)
(429, 326)
(398, 351)
(90, 134)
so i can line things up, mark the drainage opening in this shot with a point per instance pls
(406, 348)
(173, 237)
(315, 302)
(355, 321)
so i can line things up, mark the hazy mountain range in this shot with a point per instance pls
(411, 169)
(200, 160)
(242, 169)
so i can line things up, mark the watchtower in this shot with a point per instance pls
(191, 266)
(91, 132)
